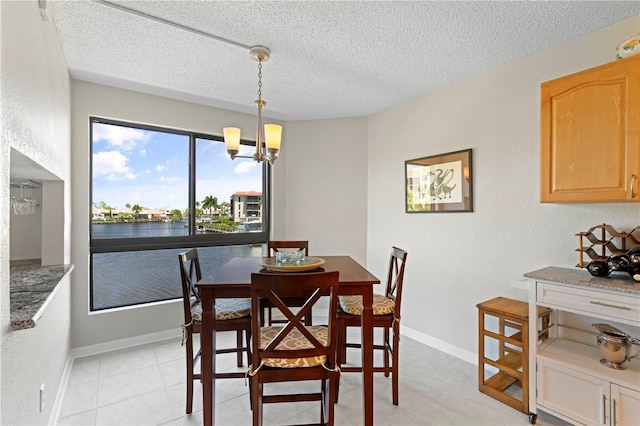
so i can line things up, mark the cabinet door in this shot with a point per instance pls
(590, 135)
(572, 394)
(625, 406)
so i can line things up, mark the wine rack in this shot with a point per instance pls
(602, 241)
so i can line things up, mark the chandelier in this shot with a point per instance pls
(271, 135)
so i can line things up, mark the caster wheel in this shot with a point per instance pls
(532, 418)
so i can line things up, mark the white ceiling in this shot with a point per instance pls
(328, 58)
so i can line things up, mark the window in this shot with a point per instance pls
(156, 192)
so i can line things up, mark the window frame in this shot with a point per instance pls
(194, 239)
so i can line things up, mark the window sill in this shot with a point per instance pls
(32, 288)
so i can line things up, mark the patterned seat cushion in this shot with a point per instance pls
(382, 305)
(226, 309)
(294, 340)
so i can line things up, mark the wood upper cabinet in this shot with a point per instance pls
(590, 135)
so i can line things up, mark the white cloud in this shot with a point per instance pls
(245, 167)
(160, 168)
(246, 150)
(124, 138)
(171, 179)
(143, 152)
(112, 164)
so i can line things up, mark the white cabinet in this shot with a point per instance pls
(625, 406)
(571, 386)
(569, 381)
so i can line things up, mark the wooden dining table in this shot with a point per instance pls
(233, 279)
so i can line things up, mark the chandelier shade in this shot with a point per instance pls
(270, 134)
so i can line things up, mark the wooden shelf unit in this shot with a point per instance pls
(512, 361)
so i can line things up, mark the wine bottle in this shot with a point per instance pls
(618, 262)
(634, 255)
(598, 268)
(634, 271)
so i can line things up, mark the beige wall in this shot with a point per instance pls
(457, 260)
(326, 186)
(35, 114)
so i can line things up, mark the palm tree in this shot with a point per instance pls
(226, 207)
(210, 203)
(135, 210)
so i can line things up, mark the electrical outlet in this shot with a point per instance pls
(42, 398)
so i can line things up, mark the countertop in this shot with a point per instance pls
(32, 287)
(617, 282)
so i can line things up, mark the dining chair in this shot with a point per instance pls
(231, 315)
(272, 248)
(294, 351)
(386, 315)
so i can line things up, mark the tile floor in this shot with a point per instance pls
(145, 385)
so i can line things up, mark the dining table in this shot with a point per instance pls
(233, 279)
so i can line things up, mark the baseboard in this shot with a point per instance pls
(425, 339)
(128, 342)
(62, 387)
(98, 349)
(440, 345)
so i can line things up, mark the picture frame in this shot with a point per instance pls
(439, 183)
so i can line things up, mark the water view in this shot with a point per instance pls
(129, 278)
(139, 230)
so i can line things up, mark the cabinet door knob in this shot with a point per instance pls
(633, 179)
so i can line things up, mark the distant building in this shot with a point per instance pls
(246, 207)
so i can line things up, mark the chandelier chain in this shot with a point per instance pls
(260, 80)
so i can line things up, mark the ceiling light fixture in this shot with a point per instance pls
(272, 135)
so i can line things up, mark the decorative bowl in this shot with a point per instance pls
(629, 47)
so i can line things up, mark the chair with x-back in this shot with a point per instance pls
(272, 248)
(231, 315)
(293, 351)
(386, 315)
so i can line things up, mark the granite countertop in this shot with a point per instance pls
(32, 287)
(616, 282)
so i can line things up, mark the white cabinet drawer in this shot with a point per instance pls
(617, 307)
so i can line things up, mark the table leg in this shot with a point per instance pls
(367, 353)
(208, 344)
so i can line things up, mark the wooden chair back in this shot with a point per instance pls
(275, 246)
(276, 288)
(190, 273)
(395, 277)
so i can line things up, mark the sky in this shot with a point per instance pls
(151, 169)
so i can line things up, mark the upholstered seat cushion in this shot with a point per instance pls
(294, 340)
(382, 305)
(226, 309)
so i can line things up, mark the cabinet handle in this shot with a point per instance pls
(604, 409)
(610, 306)
(633, 179)
(613, 420)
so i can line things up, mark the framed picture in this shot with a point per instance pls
(439, 184)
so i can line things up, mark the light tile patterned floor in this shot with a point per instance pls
(145, 385)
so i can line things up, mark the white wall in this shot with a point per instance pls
(456, 260)
(35, 115)
(101, 101)
(326, 186)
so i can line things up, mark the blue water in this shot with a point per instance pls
(139, 230)
(129, 278)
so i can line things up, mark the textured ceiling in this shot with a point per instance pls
(328, 58)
